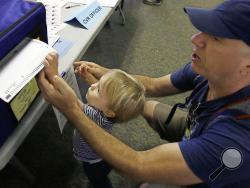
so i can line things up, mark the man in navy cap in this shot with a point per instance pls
(210, 142)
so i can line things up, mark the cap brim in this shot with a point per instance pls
(208, 21)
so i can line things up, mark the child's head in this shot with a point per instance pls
(118, 95)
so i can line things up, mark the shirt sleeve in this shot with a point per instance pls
(185, 78)
(225, 144)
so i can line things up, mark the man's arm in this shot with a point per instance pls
(162, 164)
(158, 87)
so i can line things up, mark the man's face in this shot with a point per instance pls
(216, 58)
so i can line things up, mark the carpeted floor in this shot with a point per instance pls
(154, 41)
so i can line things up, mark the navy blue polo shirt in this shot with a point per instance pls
(216, 147)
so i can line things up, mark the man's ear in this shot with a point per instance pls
(246, 68)
(244, 72)
(109, 113)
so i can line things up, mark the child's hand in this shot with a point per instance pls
(82, 71)
(90, 72)
(51, 65)
(94, 69)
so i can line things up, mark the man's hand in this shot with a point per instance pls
(54, 89)
(57, 92)
(90, 72)
(51, 65)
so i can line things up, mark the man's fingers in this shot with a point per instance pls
(42, 81)
(51, 66)
(41, 76)
(57, 92)
(60, 84)
(49, 57)
(55, 54)
(44, 85)
(48, 70)
(45, 63)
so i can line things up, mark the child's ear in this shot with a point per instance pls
(109, 113)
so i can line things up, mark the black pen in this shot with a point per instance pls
(70, 6)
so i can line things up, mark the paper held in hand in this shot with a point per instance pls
(21, 67)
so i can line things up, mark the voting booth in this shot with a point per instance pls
(19, 20)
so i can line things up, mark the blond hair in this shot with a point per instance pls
(126, 95)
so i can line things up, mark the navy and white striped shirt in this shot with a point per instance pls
(82, 150)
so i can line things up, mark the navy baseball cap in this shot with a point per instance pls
(230, 19)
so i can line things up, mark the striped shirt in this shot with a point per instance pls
(82, 150)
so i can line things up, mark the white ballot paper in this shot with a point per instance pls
(22, 67)
(70, 78)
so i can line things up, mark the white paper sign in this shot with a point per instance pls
(88, 15)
